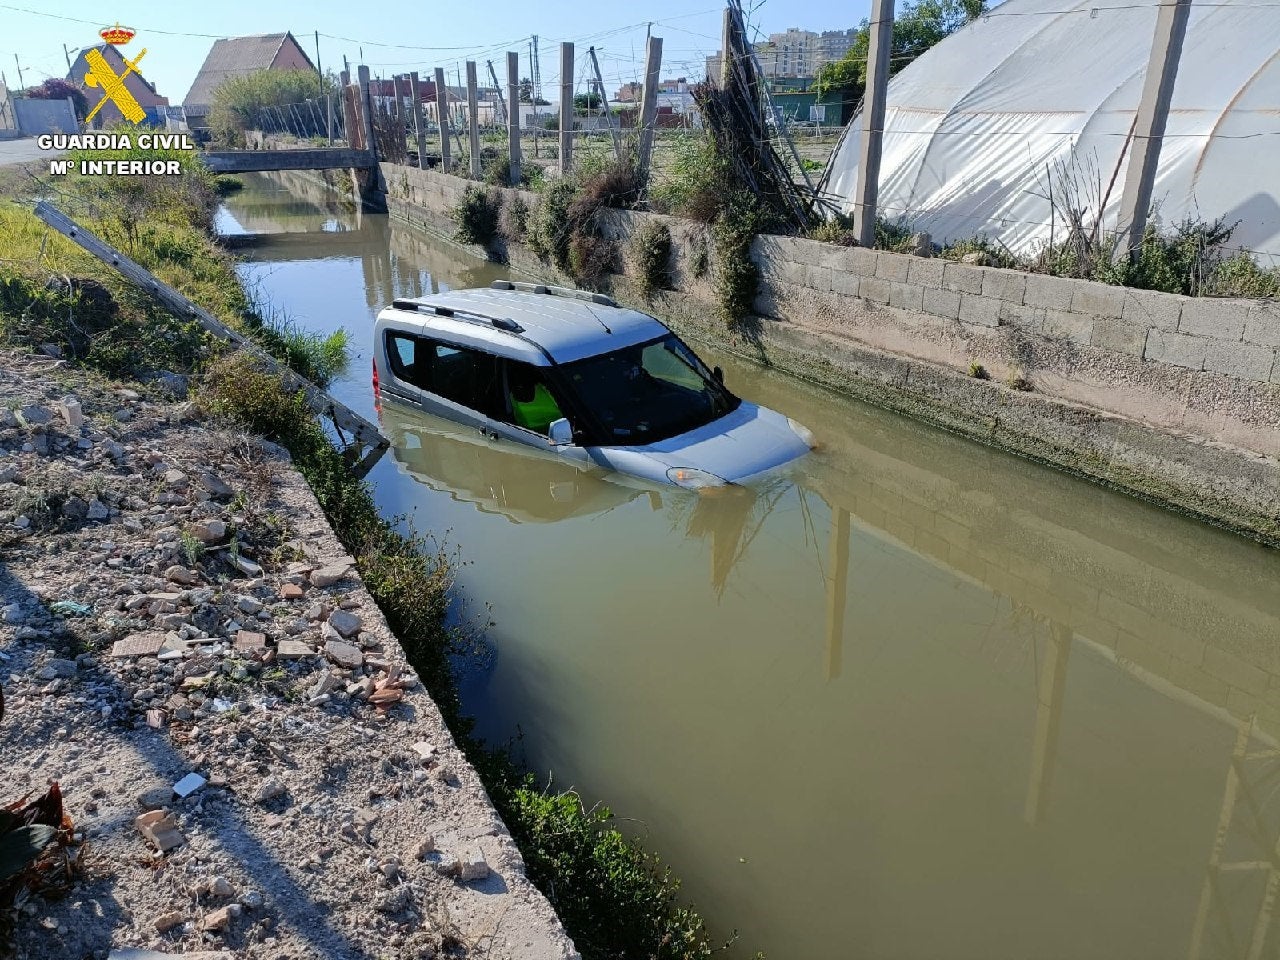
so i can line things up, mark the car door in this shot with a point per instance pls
(462, 383)
(532, 401)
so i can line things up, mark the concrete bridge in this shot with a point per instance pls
(323, 158)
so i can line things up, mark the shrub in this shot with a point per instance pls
(549, 225)
(978, 371)
(477, 216)
(256, 99)
(737, 277)
(651, 250)
(513, 219)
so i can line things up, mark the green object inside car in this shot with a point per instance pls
(538, 413)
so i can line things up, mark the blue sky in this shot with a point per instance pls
(388, 30)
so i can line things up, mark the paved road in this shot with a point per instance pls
(23, 151)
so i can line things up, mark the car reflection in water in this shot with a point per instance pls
(524, 486)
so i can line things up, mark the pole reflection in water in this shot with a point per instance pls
(1003, 733)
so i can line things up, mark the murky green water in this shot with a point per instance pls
(917, 699)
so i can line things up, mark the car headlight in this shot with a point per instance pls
(803, 432)
(693, 479)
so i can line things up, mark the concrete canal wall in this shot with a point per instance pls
(1171, 398)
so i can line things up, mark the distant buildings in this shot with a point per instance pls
(795, 52)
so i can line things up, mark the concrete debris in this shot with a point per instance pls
(167, 921)
(328, 576)
(189, 785)
(269, 789)
(345, 623)
(139, 645)
(344, 654)
(471, 865)
(160, 828)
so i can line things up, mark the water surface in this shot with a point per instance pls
(913, 699)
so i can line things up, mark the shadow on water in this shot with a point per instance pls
(914, 698)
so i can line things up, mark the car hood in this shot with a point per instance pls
(737, 446)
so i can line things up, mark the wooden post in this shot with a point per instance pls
(649, 104)
(873, 107)
(513, 116)
(566, 109)
(1153, 113)
(442, 117)
(419, 127)
(366, 111)
(473, 118)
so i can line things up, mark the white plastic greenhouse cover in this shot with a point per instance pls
(977, 126)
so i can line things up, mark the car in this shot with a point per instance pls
(572, 374)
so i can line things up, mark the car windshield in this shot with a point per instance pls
(648, 392)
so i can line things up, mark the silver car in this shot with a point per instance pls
(574, 375)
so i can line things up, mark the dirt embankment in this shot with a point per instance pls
(175, 603)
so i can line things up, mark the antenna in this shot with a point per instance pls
(597, 319)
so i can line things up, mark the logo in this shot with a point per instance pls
(101, 75)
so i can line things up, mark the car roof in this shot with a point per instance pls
(567, 324)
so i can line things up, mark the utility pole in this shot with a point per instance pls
(22, 84)
(873, 109)
(1149, 125)
(513, 116)
(649, 103)
(67, 53)
(473, 118)
(604, 104)
(566, 108)
(319, 69)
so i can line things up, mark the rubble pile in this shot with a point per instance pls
(251, 764)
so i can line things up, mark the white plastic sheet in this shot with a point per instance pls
(1046, 90)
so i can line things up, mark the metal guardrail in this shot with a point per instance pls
(320, 403)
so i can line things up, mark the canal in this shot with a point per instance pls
(915, 699)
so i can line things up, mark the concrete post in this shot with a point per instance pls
(726, 48)
(873, 107)
(513, 116)
(1153, 113)
(419, 126)
(473, 119)
(366, 111)
(566, 109)
(649, 105)
(442, 117)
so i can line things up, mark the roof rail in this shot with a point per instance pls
(569, 292)
(470, 316)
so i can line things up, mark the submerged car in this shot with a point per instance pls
(573, 374)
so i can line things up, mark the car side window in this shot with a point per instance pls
(466, 376)
(407, 359)
(531, 402)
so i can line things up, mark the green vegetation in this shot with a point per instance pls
(978, 371)
(247, 102)
(563, 229)
(651, 250)
(477, 216)
(918, 27)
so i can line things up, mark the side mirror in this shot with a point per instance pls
(718, 374)
(560, 432)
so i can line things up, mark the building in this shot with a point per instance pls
(143, 90)
(795, 52)
(678, 85)
(630, 93)
(238, 57)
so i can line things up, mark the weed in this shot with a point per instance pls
(513, 219)
(192, 549)
(978, 371)
(1017, 380)
(477, 216)
(651, 250)
(699, 258)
